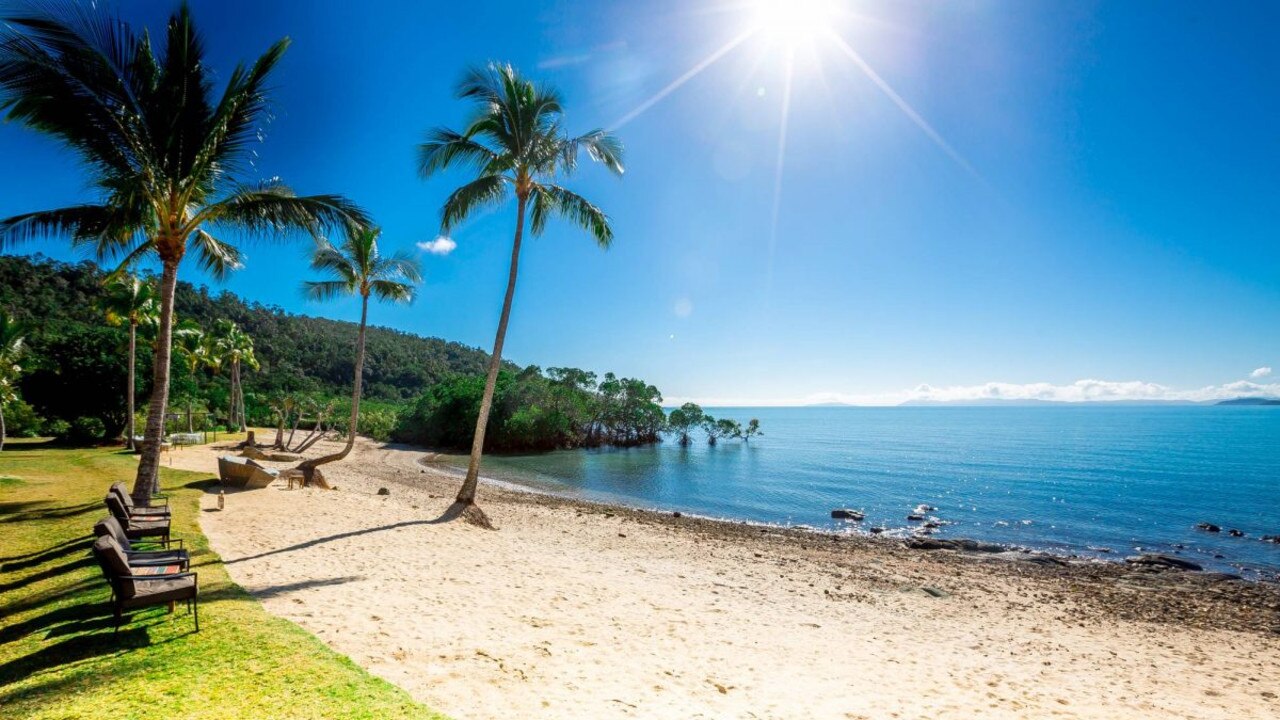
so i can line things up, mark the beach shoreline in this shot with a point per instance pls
(575, 608)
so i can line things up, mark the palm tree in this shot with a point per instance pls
(234, 349)
(12, 343)
(194, 350)
(161, 150)
(358, 269)
(130, 301)
(516, 144)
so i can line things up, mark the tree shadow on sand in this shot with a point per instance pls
(453, 512)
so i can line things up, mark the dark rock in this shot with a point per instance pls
(1271, 539)
(914, 517)
(1044, 560)
(935, 592)
(877, 530)
(846, 514)
(957, 544)
(676, 514)
(1162, 561)
(1219, 577)
(933, 524)
(1208, 527)
(1235, 533)
(383, 491)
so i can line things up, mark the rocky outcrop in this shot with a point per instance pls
(959, 544)
(847, 514)
(1156, 560)
(1208, 527)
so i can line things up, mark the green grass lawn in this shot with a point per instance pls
(59, 658)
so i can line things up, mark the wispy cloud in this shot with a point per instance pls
(1080, 391)
(440, 246)
(1260, 373)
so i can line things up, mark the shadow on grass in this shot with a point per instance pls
(57, 513)
(83, 647)
(449, 515)
(62, 621)
(46, 574)
(40, 557)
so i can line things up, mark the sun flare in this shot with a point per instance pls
(794, 21)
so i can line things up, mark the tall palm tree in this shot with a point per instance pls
(132, 302)
(516, 144)
(358, 269)
(161, 149)
(194, 350)
(13, 335)
(234, 349)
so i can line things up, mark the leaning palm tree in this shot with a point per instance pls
(161, 150)
(12, 343)
(517, 145)
(132, 302)
(358, 269)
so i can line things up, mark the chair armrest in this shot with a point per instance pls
(168, 576)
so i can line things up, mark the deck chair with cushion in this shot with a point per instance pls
(137, 528)
(108, 527)
(136, 587)
(142, 513)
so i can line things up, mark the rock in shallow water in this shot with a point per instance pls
(1162, 561)
(846, 514)
(1208, 527)
(957, 544)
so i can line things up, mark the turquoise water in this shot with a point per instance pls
(1071, 479)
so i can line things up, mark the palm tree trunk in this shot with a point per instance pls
(467, 494)
(244, 422)
(2, 427)
(148, 481)
(188, 413)
(133, 354)
(308, 468)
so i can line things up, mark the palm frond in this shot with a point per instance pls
(392, 291)
(274, 208)
(485, 190)
(552, 200)
(602, 146)
(79, 221)
(445, 148)
(324, 290)
(215, 257)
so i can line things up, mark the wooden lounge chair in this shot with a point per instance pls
(169, 555)
(244, 473)
(135, 587)
(142, 513)
(137, 528)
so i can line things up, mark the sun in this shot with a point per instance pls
(794, 22)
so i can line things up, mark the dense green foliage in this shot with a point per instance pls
(60, 659)
(537, 411)
(77, 364)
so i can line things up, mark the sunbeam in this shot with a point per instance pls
(902, 104)
(782, 156)
(686, 77)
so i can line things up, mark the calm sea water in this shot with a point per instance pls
(1072, 480)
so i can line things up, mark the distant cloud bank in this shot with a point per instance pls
(1087, 390)
(440, 246)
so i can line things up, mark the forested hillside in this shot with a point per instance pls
(76, 366)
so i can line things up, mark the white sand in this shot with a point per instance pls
(566, 612)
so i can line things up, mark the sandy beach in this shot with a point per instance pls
(574, 610)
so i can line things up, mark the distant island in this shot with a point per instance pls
(1250, 401)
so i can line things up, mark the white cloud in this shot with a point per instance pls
(1087, 390)
(1260, 372)
(440, 246)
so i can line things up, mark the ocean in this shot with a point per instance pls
(1084, 480)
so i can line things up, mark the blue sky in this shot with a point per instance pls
(1097, 200)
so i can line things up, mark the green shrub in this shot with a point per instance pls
(21, 420)
(85, 431)
(377, 423)
(55, 427)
